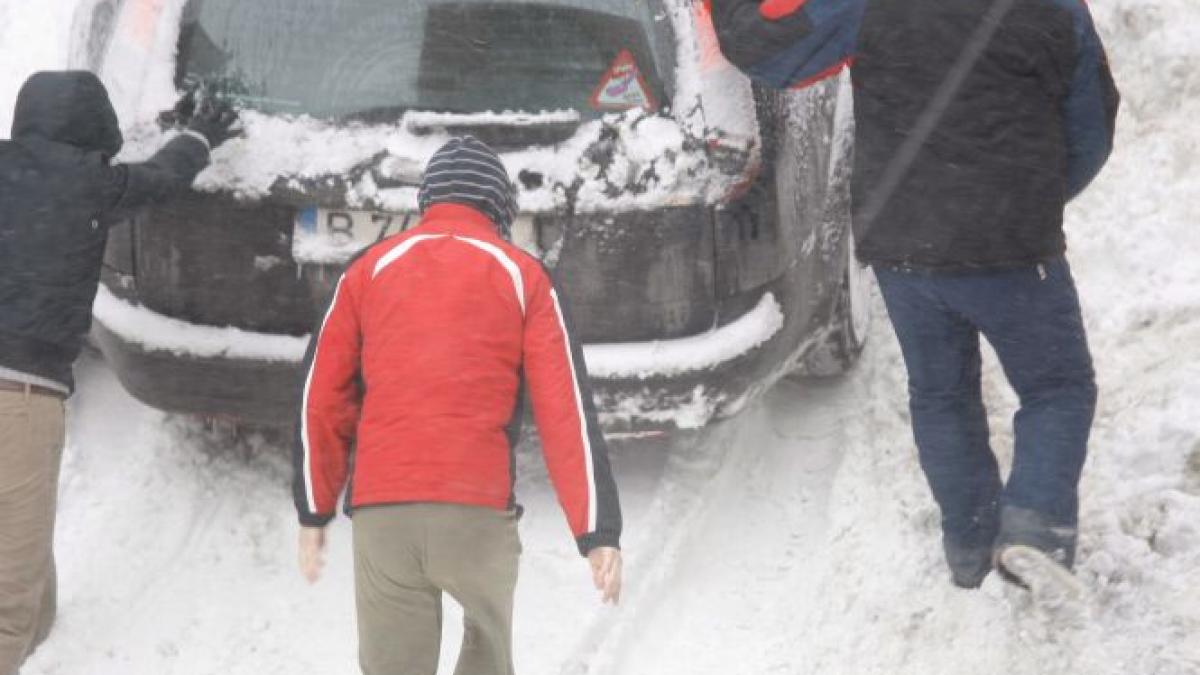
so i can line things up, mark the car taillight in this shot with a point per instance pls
(735, 160)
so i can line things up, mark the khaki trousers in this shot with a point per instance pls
(405, 557)
(31, 443)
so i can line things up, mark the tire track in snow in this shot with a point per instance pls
(736, 514)
(198, 505)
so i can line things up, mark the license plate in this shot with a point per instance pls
(333, 236)
(336, 235)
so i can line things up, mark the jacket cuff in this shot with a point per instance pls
(315, 519)
(598, 539)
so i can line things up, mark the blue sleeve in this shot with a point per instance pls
(1090, 107)
(830, 44)
(795, 51)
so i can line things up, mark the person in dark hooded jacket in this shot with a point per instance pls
(59, 191)
(975, 122)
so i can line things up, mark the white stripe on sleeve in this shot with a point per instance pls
(583, 430)
(304, 439)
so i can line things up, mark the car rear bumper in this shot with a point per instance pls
(639, 387)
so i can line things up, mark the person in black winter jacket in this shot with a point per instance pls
(975, 122)
(59, 191)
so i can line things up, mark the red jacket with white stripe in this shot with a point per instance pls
(417, 369)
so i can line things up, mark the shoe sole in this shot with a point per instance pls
(1040, 573)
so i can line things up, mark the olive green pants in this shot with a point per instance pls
(31, 443)
(405, 557)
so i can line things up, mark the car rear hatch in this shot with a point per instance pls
(431, 68)
(369, 61)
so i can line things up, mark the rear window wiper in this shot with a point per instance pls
(376, 115)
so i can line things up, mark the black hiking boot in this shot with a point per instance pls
(969, 551)
(969, 565)
(1030, 551)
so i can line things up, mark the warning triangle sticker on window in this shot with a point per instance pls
(623, 86)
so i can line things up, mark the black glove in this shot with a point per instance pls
(177, 117)
(215, 121)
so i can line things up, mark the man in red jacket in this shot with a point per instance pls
(417, 373)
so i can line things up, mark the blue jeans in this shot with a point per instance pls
(1031, 318)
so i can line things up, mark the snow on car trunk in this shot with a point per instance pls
(619, 161)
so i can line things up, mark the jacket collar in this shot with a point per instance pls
(449, 218)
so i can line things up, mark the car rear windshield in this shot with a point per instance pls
(372, 60)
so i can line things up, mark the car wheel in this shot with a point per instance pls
(841, 341)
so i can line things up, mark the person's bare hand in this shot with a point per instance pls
(606, 572)
(312, 552)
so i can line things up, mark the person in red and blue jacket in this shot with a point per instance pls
(413, 396)
(976, 121)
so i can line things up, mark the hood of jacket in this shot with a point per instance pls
(70, 107)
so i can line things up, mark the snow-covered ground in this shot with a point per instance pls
(797, 538)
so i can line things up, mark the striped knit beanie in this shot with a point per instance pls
(466, 171)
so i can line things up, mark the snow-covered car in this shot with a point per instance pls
(699, 225)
